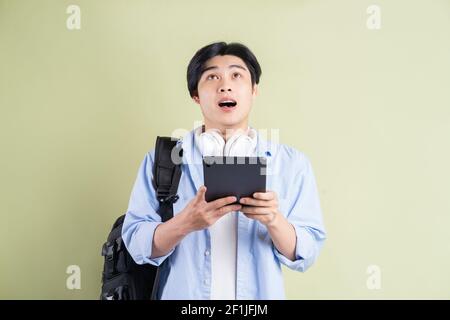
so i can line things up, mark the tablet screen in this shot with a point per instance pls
(233, 176)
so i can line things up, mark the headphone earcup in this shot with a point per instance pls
(239, 145)
(212, 143)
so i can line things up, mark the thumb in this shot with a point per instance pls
(201, 193)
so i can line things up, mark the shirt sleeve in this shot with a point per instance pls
(305, 214)
(142, 217)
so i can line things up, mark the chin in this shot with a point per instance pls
(229, 122)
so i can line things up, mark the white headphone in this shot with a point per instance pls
(211, 142)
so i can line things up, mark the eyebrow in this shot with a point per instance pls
(230, 66)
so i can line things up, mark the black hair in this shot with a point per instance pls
(197, 64)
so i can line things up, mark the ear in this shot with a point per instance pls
(196, 99)
(255, 90)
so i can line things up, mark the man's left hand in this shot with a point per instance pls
(262, 207)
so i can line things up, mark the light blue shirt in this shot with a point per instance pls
(259, 276)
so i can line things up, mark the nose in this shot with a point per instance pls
(224, 87)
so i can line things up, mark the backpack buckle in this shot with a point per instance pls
(108, 251)
(119, 293)
(165, 197)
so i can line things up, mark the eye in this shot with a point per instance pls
(211, 76)
(236, 75)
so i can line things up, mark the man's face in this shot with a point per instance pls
(225, 93)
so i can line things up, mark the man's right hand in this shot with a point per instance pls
(200, 214)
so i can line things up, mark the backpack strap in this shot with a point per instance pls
(166, 177)
(167, 174)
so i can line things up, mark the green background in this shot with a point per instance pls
(371, 108)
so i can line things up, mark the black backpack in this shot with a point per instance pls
(122, 278)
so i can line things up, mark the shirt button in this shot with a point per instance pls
(207, 253)
(205, 281)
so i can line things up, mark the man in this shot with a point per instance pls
(221, 250)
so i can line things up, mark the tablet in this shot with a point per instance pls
(233, 176)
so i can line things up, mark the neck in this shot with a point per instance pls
(227, 131)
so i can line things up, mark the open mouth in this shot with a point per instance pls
(227, 103)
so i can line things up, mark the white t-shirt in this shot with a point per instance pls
(224, 231)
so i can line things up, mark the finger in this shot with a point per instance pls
(256, 202)
(252, 216)
(213, 205)
(200, 194)
(269, 195)
(226, 209)
(256, 217)
(255, 210)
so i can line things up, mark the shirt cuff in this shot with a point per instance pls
(144, 236)
(304, 251)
